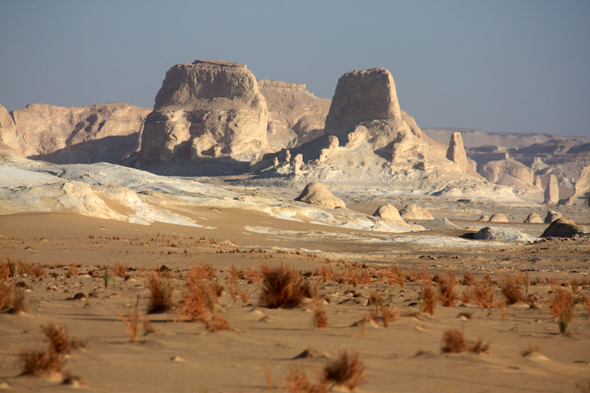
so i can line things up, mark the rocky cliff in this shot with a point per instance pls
(65, 135)
(206, 108)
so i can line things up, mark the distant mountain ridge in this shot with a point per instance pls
(477, 138)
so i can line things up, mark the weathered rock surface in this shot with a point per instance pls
(533, 218)
(207, 108)
(415, 212)
(318, 194)
(581, 193)
(552, 191)
(295, 116)
(551, 216)
(84, 134)
(505, 234)
(498, 217)
(8, 135)
(389, 214)
(456, 151)
(564, 227)
(484, 218)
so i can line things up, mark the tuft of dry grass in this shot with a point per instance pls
(320, 318)
(511, 289)
(502, 306)
(41, 362)
(5, 297)
(428, 296)
(446, 285)
(395, 275)
(72, 269)
(468, 279)
(584, 300)
(388, 314)
(119, 269)
(203, 271)
(131, 323)
(298, 382)
(198, 304)
(160, 294)
(282, 288)
(561, 305)
(59, 340)
(18, 303)
(531, 349)
(454, 341)
(482, 294)
(347, 370)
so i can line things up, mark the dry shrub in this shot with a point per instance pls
(282, 288)
(245, 296)
(41, 362)
(160, 294)
(428, 296)
(561, 304)
(389, 314)
(59, 341)
(423, 274)
(464, 297)
(252, 275)
(72, 269)
(34, 270)
(131, 323)
(202, 271)
(18, 301)
(531, 349)
(5, 297)
(395, 275)
(119, 269)
(454, 341)
(502, 306)
(298, 382)
(198, 304)
(320, 318)
(4, 270)
(482, 294)
(446, 289)
(468, 279)
(347, 370)
(511, 289)
(584, 300)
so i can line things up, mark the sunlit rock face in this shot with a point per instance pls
(207, 108)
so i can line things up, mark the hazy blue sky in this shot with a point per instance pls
(506, 66)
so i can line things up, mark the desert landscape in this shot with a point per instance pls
(246, 236)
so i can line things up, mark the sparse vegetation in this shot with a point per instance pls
(160, 294)
(198, 304)
(454, 341)
(40, 362)
(282, 288)
(446, 287)
(482, 293)
(428, 297)
(347, 370)
(511, 289)
(59, 340)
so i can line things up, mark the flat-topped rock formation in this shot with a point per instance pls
(207, 108)
(62, 135)
(295, 116)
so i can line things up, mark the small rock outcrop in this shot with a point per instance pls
(533, 218)
(456, 151)
(207, 108)
(484, 218)
(551, 216)
(390, 215)
(505, 234)
(318, 194)
(552, 191)
(8, 135)
(564, 227)
(498, 217)
(581, 193)
(415, 212)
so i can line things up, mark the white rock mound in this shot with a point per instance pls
(498, 217)
(506, 234)
(318, 194)
(533, 218)
(415, 212)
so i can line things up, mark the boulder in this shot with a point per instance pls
(415, 212)
(483, 217)
(581, 189)
(456, 151)
(551, 216)
(564, 227)
(206, 108)
(498, 217)
(318, 194)
(8, 135)
(78, 135)
(533, 218)
(505, 234)
(390, 215)
(362, 95)
(552, 191)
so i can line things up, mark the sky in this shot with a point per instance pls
(498, 66)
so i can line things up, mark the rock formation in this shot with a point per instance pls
(533, 218)
(552, 191)
(390, 215)
(206, 108)
(415, 212)
(456, 151)
(581, 193)
(564, 227)
(65, 135)
(318, 194)
(551, 216)
(295, 116)
(498, 217)
(505, 234)
(483, 218)
(8, 135)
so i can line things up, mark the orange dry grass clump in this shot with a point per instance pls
(395, 275)
(119, 269)
(560, 301)
(347, 370)
(320, 318)
(468, 279)
(59, 340)
(428, 297)
(482, 294)
(201, 271)
(511, 289)
(5, 297)
(282, 287)
(454, 341)
(198, 304)
(298, 382)
(40, 362)
(160, 294)
(446, 289)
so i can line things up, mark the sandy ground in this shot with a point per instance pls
(260, 350)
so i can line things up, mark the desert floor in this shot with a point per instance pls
(261, 349)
